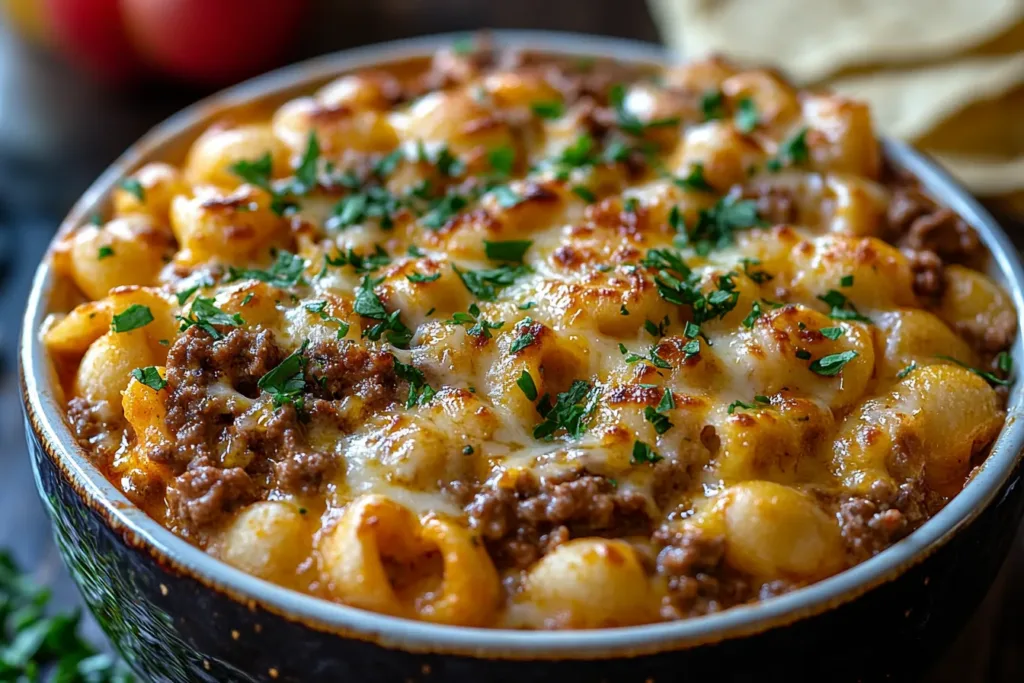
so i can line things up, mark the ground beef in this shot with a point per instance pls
(698, 581)
(870, 524)
(522, 523)
(927, 269)
(917, 223)
(202, 494)
(226, 457)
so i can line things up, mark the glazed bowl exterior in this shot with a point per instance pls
(177, 614)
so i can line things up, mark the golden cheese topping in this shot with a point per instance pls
(522, 341)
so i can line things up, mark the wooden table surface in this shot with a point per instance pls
(58, 131)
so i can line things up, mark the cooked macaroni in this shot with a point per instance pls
(530, 342)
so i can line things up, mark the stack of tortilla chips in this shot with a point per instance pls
(946, 75)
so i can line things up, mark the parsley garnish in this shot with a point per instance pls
(792, 152)
(694, 180)
(286, 382)
(443, 210)
(584, 194)
(712, 105)
(548, 110)
(652, 357)
(758, 276)
(717, 225)
(286, 271)
(842, 308)
(525, 337)
(305, 173)
(420, 277)
(368, 304)
(104, 252)
(502, 159)
(747, 116)
(628, 121)
(319, 307)
(656, 416)
(132, 318)
(483, 284)
(512, 250)
(526, 306)
(506, 196)
(420, 393)
(803, 354)
(984, 374)
(149, 376)
(832, 365)
(846, 281)
(832, 333)
(527, 386)
(755, 313)
(907, 370)
(183, 295)
(570, 412)
(644, 454)
(361, 264)
(134, 188)
(480, 327)
(204, 314)
(758, 401)
(373, 202)
(258, 172)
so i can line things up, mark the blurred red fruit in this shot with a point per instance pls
(212, 41)
(91, 33)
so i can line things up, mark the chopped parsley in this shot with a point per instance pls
(758, 276)
(512, 250)
(984, 374)
(548, 110)
(420, 277)
(755, 313)
(846, 281)
(526, 306)
(832, 333)
(832, 365)
(907, 370)
(183, 295)
(584, 194)
(483, 284)
(361, 264)
(319, 307)
(149, 376)
(506, 196)
(803, 354)
(525, 337)
(656, 416)
(652, 357)
(286, 271)
(387, 164)
(656, 330)
(527, 386)
(305, 173)
(443, 210)
(204, 314)
(480, 327)
(133, 187)
(694, 180)
(740, 405)
(716, 226)
(286, 382)
(842, 308)
(644, 454)
(247, 298)
(712, 105)
(132, 318)
(627, 121)
(502, 159)
(104, 252)
(571, 410)
(792, 152)
(258, 172)
(368, 304)
(420, 393)
(747, 116)
(372, 202)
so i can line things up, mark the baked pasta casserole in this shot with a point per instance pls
(528, 341)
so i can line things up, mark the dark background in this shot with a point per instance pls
(59, 129)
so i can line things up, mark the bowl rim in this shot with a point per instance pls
(47, 416)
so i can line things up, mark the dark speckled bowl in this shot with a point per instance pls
(177, 614)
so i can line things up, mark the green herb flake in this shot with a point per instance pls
(149, 376)
(747, 116)
(712, 105)
(832, 365)
(571, 411)
(842, 308)
(755, 313)
(286, 382)
(511, 250)
(984, 374)
(832, 333)
(527, 386)
(133, 187)
(694, 180)
(803, 354)
(644, 454)
(502, 159)
(132, 318)
(792, 152)
(484, 284)
(205, 314)
(548, 110)
(320, 309)
(584, 194)
(305, 174)
(507, 197)
(104, 252)
(846, 281)
(286, 271)
(419, 277)
(420, 393)
(660, 422)
(907, 370)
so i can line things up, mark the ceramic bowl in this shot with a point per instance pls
(178, 614)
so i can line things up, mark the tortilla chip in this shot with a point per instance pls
(812, 39)
(909, 104)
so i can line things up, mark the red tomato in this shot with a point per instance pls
(212, 41)
(91, 32)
